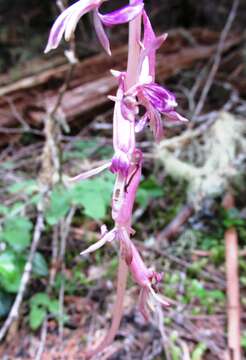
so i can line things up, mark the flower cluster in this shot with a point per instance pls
(158, 104)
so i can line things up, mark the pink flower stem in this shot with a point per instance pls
(117, 311)
(131, 79)
(133, 50)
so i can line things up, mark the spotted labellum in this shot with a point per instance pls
(137, 87)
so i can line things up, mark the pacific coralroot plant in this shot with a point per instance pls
(136, 87)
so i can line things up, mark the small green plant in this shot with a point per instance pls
(199, 351)
(41, 305)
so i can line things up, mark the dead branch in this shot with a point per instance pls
(91, 82)
(174, 227)
(64, 231)
(217, 58)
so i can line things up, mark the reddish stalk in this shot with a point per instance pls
(133, 50)
(117, 311)
(131, 79)
(233, 302)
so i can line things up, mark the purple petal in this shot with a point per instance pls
(108, 237)
(101, 34)
(175, 116)
(57, 31)
(67, 21)
(120, 163)
(148, 40)
(123, 129)
(123, 15)
(129, 108)
(156, 124)
(142, 122)
(160, 98)
(138, 269)
(150, 43)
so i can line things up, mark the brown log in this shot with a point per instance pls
(91, 82)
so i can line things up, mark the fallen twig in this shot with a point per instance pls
(173, 228)
(217, 58)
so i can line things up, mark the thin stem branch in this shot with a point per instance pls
(65, 227)
(217, 58)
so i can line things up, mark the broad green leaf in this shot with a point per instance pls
(53, 307)
(10, 271)
(40, 266)
(59, 205)
(36, 317)
(94, 195)
(149, 189)
(217, 294)
(27, 186)
(16, 208)
(40, 299)
(17, 233)
(94, 205)
(85, 146)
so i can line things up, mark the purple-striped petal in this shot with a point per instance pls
(120, 163)
(160, 98)
(141, 123)
(156, 124)
(123, 15)
(175, 116)
(67, 21)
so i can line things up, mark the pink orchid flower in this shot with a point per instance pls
(122, 206)
(156, 100)
(147, 279)
(66, 22)
(123, 130)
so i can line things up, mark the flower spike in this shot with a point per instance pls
(139, 101)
